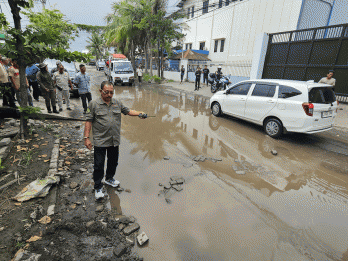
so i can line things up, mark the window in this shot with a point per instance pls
(264, 90)
(241, 89)
(321, 95)
(287, 92)
(227, 2)
(222, 46)
(193, 12)
(220, 3)
(188, 12)
(205, 6)
(190, 46)
(201, 45)
(216, 45)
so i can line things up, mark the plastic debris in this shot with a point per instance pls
(37, 188)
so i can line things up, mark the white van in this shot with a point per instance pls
(279, 105)
(120, 72)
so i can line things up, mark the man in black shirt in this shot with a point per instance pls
(198, 78)
(205, 74)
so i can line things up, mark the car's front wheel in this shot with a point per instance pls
(273, 127)
(216, 109)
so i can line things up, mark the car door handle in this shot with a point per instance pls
(271, 101)
(242, 99)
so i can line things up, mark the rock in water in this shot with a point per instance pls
(130, 229)
(142, 238)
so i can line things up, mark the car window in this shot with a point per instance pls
(264, 90)
(123, 67)
(287, 92)
(321, 95)
(241, 89)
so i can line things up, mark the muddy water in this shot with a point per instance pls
(249, 206)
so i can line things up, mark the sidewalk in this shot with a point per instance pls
(341, 120)
(189, 87)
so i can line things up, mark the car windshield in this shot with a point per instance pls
(123, 67)
(321, 95)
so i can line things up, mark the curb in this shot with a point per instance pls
(52, 171)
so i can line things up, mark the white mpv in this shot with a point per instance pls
(280, 106)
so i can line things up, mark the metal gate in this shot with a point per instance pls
(308, 55)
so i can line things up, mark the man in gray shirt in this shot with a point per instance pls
(329, 80)
(104, 118)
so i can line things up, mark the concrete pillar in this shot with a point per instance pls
(259, 56)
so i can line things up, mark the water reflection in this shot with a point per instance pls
(297, 199)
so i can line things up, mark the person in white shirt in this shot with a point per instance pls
(140, 73)
(62, 81)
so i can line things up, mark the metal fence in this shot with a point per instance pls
(308, 55)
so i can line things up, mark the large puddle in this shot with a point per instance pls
(252, 205)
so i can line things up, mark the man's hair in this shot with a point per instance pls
(331, 71)
(60, 66)
(81, 65)
(105, 83)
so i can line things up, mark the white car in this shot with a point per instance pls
(279, 105)
(120, 72)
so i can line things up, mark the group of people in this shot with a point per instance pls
(9, 82)
(198, 75)
(53, 86)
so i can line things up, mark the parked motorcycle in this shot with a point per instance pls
(218, 85)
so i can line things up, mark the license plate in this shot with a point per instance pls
(125, 79)
(326, 114)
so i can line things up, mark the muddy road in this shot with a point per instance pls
(239, 201)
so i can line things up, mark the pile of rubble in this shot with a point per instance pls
(171, 187)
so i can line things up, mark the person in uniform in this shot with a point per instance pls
(104, 119)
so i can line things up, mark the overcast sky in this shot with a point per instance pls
(78, 11)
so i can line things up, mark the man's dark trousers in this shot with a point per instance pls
(7, 96)
(99, 161)
(36, 90)
(197, 83)
(85, 96)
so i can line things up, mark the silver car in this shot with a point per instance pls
(100, 65)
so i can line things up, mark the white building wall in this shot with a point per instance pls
(239, 24)
(340, 13)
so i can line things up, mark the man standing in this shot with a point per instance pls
(82, 81)
(31, 72)
(62, 81)
(54, 70)
(182, 73)
(329, 80)
(205, 74)
(104, 118)
(13, 73)
(48, 90)
(198, 78)
(5, 84)
(140, 73)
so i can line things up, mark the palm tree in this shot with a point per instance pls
(96, 45)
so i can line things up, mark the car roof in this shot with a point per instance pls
(292, 83)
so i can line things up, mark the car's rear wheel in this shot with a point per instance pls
(216, 109)
(273, 127)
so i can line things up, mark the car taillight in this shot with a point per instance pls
(308, 108)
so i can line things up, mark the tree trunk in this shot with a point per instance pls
(146, 56)
(158, 60)
(133, 54)
(151, 62)
(15, 9)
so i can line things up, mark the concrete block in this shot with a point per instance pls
(130, 229)
(5, 142)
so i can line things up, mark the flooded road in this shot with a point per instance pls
(252, 205)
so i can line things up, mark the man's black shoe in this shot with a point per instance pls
(60, 109)
(68, 109)
(84, 112)
(49, 111)
(55, 111)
